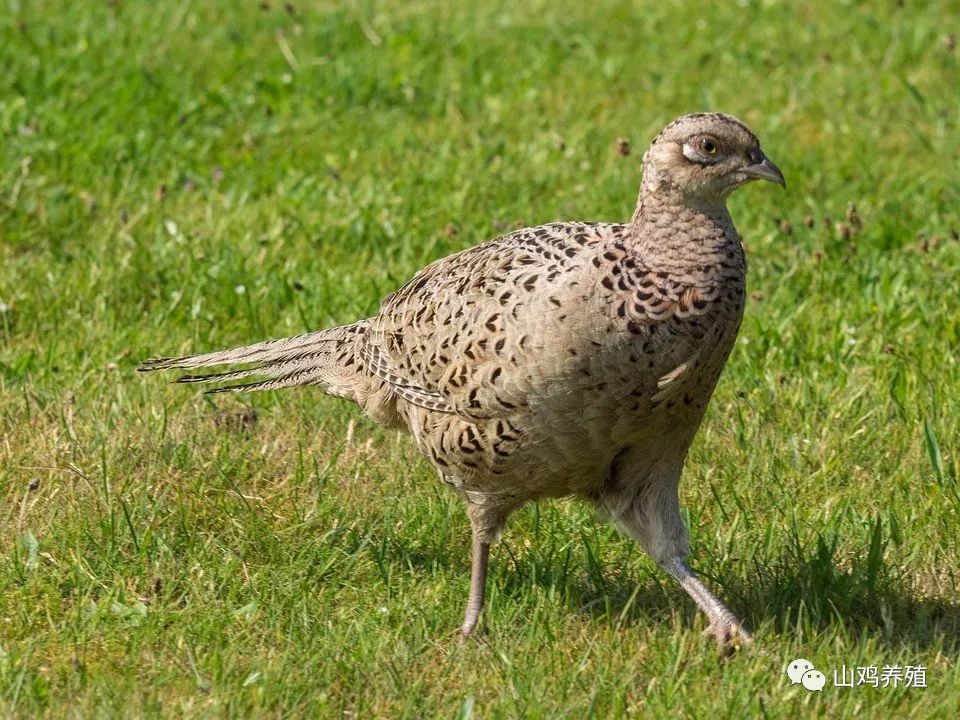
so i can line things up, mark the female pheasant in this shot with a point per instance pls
(573, 358)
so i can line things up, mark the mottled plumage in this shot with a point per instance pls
(567, 359)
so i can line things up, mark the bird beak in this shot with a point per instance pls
(762, 169)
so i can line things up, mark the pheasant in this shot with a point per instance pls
(568, 359)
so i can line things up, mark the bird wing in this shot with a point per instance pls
(464, 334)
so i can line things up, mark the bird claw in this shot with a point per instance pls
(730, 635)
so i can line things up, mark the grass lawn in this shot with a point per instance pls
(187, 176)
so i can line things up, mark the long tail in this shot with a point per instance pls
(328, 358)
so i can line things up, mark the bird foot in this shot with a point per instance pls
(465, 636)
(730, 634)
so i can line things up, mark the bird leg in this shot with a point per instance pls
(724, 625)
(642, 499)
(478, 583)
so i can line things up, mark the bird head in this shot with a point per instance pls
(704, 157)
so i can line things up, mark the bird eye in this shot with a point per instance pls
(707, 146)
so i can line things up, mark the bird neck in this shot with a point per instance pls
(675, 233)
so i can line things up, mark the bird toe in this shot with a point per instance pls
(730, 635)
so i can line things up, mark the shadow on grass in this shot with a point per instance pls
(803, 585)
(837, 577)
(866, 596)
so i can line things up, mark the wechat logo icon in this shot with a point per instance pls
(803, 672)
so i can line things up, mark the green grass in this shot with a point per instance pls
(190, 176)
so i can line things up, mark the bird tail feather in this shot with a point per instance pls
(317, 358)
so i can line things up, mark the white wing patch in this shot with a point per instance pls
(667, 385)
